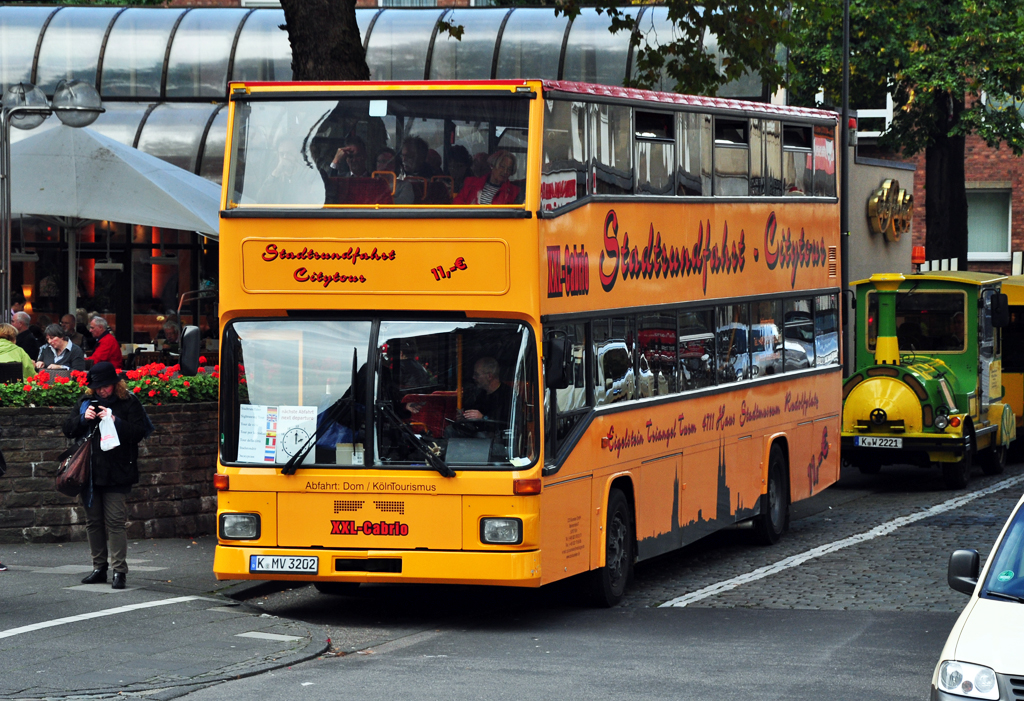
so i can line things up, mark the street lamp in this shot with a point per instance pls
(25, 106)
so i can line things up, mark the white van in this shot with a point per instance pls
(982, 657)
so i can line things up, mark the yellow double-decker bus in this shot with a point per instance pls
(511, 332)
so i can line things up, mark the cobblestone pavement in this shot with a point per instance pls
(901, 571)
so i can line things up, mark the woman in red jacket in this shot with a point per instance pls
(495, 188)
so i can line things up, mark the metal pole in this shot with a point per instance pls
(844, 197)
(5, 216)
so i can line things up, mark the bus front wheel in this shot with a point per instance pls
(608, 583)
(773, 520)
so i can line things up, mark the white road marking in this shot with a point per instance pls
(268, 636)
(95, 614)
(828, 548)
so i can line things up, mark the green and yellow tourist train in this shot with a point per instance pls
(927, 386)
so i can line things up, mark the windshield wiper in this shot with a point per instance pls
(1007, 597)
(421, 446)
(330, 417)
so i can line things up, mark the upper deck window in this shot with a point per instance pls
(400, 150)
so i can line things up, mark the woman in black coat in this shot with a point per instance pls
(113, 472)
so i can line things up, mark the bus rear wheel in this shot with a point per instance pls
(773, 520)
(337, 588)
(608, 583)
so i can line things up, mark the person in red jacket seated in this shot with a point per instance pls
(495, 188)
(107, 348)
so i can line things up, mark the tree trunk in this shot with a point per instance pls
(325, 40)
(945, 192)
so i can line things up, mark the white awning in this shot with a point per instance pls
(79, 173)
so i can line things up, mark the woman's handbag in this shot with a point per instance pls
(73, 473)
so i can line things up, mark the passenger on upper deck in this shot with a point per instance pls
(388, 163)
(459, 163)
(414, 158)
(496, 188)
(350, 159)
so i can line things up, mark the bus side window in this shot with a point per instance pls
(826, 329)
(613, 354)
(733, 329)
(657, 343)
(570, 402)
(798, 334)
(696, 350)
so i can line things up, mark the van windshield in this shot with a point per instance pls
(1006, 574)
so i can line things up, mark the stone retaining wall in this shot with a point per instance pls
(174, 497)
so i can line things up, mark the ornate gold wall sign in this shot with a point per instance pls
(890, 210)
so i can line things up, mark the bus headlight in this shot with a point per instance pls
(970, 680)
(501, 531)
(941, 418)
(239, 526)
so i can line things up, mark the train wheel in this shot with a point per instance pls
(956, 475)
(773, 520)
(608, 583)
(993, 460)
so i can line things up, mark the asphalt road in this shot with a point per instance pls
(851, 604)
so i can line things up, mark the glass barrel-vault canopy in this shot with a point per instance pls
(471, 57)
(263, 52)
(19, 36)
(531, 44)
(200, 53)
(399, 42)
(592, 53)
(71, 46)
(133, 63)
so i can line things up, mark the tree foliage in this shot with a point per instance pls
(929, 54)
(953, 67)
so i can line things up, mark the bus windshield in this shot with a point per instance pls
(397, 150)
(464, 391)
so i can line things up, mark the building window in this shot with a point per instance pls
(988, 225)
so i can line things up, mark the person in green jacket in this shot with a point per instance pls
(11, 353)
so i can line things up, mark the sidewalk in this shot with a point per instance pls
(173, 629)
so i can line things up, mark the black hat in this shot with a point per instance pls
(102, 374)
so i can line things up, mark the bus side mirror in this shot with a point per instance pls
(1000, 311)
(555, 376)
(189, 351)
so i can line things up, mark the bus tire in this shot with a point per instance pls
(993, 460)
(956, 475)
(608, 583)
(337, 588)
(773, 521)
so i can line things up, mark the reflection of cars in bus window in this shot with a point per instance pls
(798, 338)
(615, 381)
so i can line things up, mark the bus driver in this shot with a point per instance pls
(494, 401)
